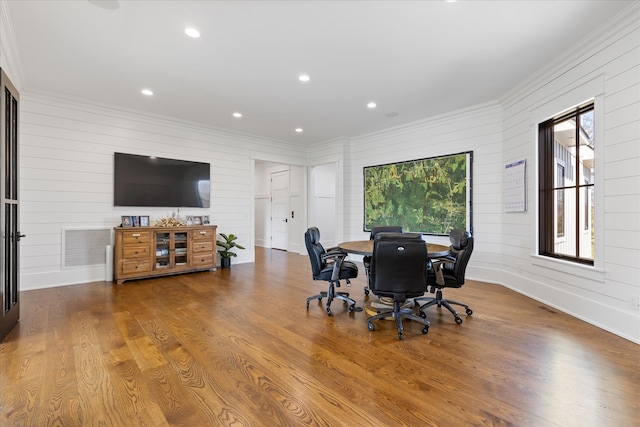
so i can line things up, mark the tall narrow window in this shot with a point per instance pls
(566, 182)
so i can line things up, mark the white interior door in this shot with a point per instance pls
(279, 210)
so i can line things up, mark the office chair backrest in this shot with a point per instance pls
(461, 248)
(399, 265)
(315, 249)
(384, 229)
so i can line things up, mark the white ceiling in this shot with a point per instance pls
(415, 59)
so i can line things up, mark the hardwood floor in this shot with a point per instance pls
(237, 347)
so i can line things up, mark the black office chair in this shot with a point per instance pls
(367, 259)
(399, 271)
(331, 267)
(452, 269)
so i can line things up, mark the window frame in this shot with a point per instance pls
(548, 186)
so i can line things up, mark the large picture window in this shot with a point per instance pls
(566, 154)
(430, 196)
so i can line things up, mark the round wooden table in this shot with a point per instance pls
(365, 247)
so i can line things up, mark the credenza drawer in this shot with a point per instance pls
(203, 233)
(136, 252)
(202, 259)
(129, 267)
(132, 237)
(202, 246)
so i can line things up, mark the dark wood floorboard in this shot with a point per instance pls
(236, 347)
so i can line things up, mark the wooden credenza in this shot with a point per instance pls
(141, 252)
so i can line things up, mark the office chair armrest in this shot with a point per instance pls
(337, 257)
(436, 266)
(334, 255)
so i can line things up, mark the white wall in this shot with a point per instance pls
(605, 66)
(66, 177)
(477, 129)
(322, 200)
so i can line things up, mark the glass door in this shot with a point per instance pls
(9, 250)
(172, 249)
(163, 245)
(180, 249)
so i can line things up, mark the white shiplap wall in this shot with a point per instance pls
(476, 129)
(66, 176)
(605, 67)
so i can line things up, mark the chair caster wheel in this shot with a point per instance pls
(425, 330)
(469, 312)
(458, 320)
(423, 314)
(307, 305)
(371, 327)
(329, 311)
(400, 336)
(366, 293)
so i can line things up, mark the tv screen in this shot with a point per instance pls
(155, 181)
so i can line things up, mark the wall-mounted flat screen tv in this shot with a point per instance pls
(155, 181)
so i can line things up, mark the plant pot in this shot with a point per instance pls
(225, 262)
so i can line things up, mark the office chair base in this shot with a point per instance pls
(439, 301)
(399, 313)
(331, 295)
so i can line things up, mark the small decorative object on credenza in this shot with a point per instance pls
(171, 221)
(227, 243)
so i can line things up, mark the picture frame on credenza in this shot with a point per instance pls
(205, 220)
(134, 221)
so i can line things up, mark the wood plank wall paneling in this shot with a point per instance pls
(614, 62)
(66, 168)
(238, 347)
(502, 133)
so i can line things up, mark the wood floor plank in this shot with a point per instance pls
(237, 347)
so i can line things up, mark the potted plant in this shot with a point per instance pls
(227, 243)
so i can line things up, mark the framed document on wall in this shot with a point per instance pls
(515, 180)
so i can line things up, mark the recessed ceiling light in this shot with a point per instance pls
(192, 32)
(147, 92)
(237, 115)
(299, 130)
(304, 78)
(371, 105)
